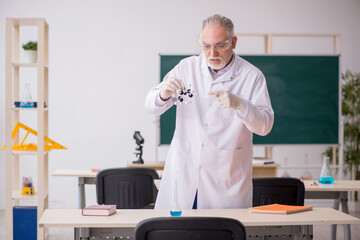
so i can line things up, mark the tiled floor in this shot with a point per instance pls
(321, 232)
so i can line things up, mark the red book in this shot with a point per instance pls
(99, 210)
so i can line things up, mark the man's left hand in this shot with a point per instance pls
(227, 100)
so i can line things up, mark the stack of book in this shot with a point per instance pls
(279, 209)
(262, 161)
(99, 210)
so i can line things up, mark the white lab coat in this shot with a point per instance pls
(211, 151)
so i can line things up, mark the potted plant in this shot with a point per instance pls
(30, 50)
(351, 112)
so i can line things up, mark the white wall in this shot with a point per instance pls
(104, 57)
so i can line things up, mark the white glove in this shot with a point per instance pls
(228, 100)
(169, 87)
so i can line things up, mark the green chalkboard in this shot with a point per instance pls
(304, 92)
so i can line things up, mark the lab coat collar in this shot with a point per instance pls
(204, 67)
(232, 72)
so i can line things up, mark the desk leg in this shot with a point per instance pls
(76, 234)
(345, 209)
(307, 232)
(81, 197)
(81, 233)
(333, 226)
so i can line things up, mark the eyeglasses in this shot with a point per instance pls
(219, 46)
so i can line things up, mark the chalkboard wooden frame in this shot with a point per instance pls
(304, 91)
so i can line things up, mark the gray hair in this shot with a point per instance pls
(219, 20)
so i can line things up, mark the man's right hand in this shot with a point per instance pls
(169, 87)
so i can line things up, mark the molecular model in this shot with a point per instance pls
(313, 184)
(184, 96)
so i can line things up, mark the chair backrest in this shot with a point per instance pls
(190, 228)
(289, 191)
(128, 188)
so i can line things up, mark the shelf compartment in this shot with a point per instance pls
(27, 152)
(27, 65)
(27, 109)
(27, 21)
(16, 195)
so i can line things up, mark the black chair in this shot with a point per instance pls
(128, 188)
(289, 191)
(190, 228)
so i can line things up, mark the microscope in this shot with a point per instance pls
(138, 150)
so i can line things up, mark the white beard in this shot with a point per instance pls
(216, 67)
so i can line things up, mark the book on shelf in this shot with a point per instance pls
(262, 161)
(279, 209)
(99, 210)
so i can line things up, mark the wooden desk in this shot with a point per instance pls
(84, 177)
(158, 165)
(123, 222)
(339, 192)
(89, 177)
(266, 170)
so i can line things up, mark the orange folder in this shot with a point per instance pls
(279, 209)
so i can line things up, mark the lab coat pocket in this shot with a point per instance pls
(179, 153)
(231, 165)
